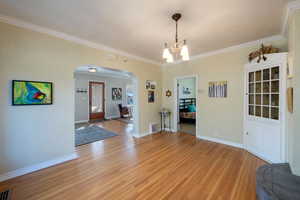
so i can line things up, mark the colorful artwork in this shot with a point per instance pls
(31, 93)
(116, 94)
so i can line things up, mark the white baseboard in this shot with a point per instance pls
(112, 117)
(81, 121)
(221, 141)
(36, 167)
(170, 130)
(142, 135)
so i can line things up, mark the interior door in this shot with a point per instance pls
(263, 112)
(96, 102)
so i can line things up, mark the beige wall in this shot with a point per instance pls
(220, 118)
(33, 134)
(294, 119)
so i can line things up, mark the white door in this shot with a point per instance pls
(263, 111)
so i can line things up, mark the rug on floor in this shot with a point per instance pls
(92, 133)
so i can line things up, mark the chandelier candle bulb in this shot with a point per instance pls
(166, 53)
(170, 59)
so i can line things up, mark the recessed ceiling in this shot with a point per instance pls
(140, 27)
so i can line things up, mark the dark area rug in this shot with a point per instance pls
(92, 133)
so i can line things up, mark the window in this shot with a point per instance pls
(263, 93)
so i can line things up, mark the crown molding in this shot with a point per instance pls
(290, 9)
(229, 49)
(61, 35)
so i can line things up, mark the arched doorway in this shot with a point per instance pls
(105, 94)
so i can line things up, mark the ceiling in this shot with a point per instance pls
(140, 27)
(101, 71)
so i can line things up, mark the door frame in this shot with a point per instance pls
(175, 106)
(90, 95)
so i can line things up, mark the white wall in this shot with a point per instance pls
(294, 119)
(187, 83)
(30, 135)
(220, 118)
(82, 99)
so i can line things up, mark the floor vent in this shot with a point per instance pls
(5, 195)
(154, 128)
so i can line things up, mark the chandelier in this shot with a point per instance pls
(178, 49)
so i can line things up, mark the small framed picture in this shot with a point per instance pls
(150, 85)
(116, 94)
(151, 96)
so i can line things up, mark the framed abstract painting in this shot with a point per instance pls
(31, 93)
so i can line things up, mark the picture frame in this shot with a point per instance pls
(218, 89)
(116, 94)
(150, 85)
(26, 93)
(151, 96)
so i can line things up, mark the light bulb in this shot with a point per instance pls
(92, 69)
(170, 59)
(185, 53)
(166, 53)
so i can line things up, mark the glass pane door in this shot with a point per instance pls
(263, 93)
(96, 103)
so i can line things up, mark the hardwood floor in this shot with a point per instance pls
(160, 166)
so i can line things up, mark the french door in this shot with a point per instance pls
(265, 109)
(96, 100)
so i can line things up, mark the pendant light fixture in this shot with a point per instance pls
(178, 49)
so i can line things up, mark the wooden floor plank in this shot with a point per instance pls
(159, 166)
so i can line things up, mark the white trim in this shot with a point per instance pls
(113, 117)
(221, 141)
(175, 106)
(229, 49)
(170, 130)
(81, 121)
(36, 167)
(142, 135)
(61, 35)
(290, 8)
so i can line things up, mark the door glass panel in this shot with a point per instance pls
(251, 99)
(258, 76)
(258, 111)
(275, 73)
(97, 98)
(251, 77)
(251, 110)
(266, 99)
(275, 86)
(266, 112)
(251, 88)
(266, 74)
(258, 99)
(275, 113)
(263, 93)
(258, 87)
(266, 87)
(275, 99)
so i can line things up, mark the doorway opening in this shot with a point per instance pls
(96, 100)
(185, 114)
(104, 98)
